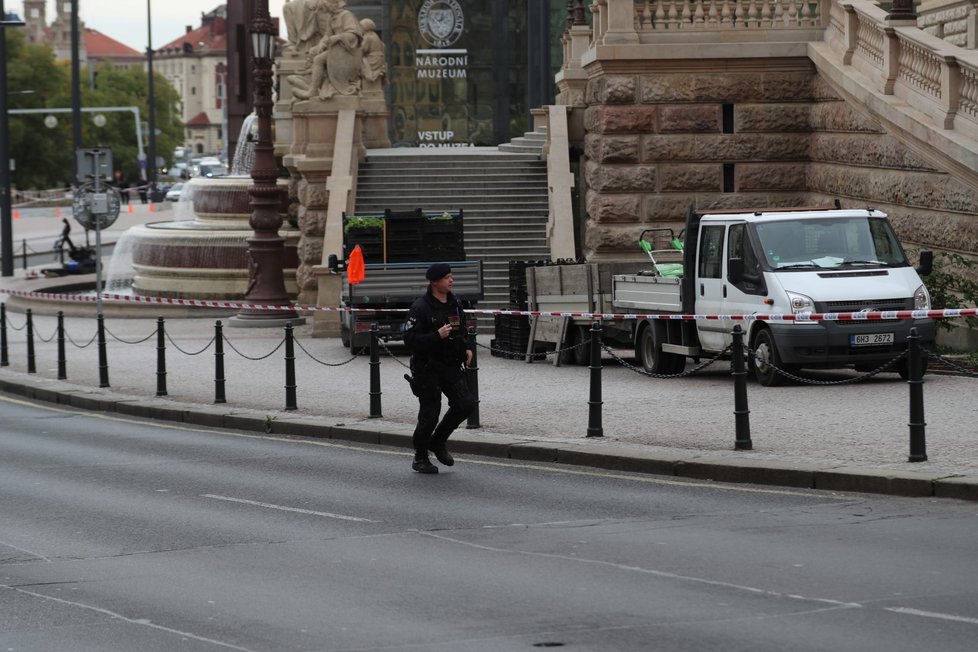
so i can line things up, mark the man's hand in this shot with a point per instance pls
(468, 358)
(445, 331)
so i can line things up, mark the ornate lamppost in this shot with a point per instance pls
(266, 248)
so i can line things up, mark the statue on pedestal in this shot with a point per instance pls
(334, 63)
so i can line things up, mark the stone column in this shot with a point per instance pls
(310, 160)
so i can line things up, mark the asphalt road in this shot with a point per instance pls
(117, 534)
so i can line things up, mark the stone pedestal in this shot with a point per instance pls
(328, 284)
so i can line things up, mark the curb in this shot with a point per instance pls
(685, 465)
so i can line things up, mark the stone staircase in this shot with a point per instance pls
(531, 142)
(504, 197)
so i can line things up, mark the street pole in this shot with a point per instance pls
(266, 248)
(6, 212)
(151, 162)
(76, 129)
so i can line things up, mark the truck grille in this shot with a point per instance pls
(865, 304)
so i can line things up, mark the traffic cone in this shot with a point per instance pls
(16, 214)
(130, 208)
(57, 211)
(151, 209)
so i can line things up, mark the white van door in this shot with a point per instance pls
(710, 285)
(747, 296)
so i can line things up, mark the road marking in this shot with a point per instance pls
(284, 508)
(932, 614)
(134, 621)
(648, 571)
(511, 465)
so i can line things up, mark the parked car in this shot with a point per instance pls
(173, 194)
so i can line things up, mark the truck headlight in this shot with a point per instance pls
(800, 303)
(921, 299)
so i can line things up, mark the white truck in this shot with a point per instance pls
(780, 261)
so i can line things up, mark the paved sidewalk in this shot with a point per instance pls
(834, 437)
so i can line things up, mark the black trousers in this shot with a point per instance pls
(434, 381)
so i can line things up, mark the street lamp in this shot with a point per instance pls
(151, 166)
(266, 248)
(6, 215)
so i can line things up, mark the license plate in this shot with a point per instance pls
(871, 339)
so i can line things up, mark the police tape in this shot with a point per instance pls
(865, 315)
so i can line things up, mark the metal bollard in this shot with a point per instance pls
(4, 359)
(31, 365)
(103, 362)
(594, 428)
(62, 359)
(219, 363)
(23, 245)
(160, 357)
(741, 411)
(289, 367)
(472, 376)
(375, 411)
(918, 440)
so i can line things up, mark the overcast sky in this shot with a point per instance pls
(125, 20)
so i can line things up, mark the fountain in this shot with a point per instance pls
(203, 252)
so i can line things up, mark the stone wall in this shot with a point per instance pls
(656, 142)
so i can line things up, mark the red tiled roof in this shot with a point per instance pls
(199, 120)
(211, 37)
(101, 46)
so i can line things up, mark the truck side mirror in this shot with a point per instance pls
(333, 263)
(735, 270)
(926, 265)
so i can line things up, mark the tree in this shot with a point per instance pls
(43, 156)
(118, 87)
(42, 160)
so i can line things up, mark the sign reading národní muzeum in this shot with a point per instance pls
(442, 81)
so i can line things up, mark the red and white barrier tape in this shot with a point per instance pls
(947, 313)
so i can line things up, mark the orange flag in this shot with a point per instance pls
(354, 269)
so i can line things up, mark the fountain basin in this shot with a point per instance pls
(206, 256)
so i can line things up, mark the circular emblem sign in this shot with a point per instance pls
(441, 22)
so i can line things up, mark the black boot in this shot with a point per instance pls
(422, 464)
(441, 452)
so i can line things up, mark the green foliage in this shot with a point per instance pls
(43, 156)
(129, 87)
(355, 222)
(42, 160)
(953, 284)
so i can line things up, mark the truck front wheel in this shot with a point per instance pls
(650, 354)
(765, 352)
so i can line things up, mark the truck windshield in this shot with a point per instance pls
(830, 243)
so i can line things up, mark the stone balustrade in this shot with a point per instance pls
(933, 76)
(707, 15)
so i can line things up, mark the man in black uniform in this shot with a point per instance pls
(436, 334)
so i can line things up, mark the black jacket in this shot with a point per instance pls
(426, 315)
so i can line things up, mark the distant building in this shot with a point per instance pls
(196, 64)
(93, 45)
